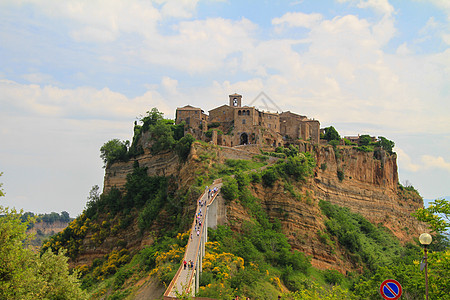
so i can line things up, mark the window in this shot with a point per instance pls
(270, 126)
(248, 113)
(239, 113)
(243, 121)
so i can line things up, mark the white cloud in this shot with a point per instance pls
(433, 162)
(405, 161)
(427, 162)
(403, 49)
(178, 8)
(380, 6)
(298, 19)
(39, 78)
(442, 4)
(82, 102)
(199, 46)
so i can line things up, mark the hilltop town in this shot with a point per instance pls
(235, 124)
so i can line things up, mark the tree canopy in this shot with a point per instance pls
(25, 274)
(437, 215)
(386, 144)
(331, 134)
(113, 150)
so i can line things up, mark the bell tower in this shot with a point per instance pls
(235, 100)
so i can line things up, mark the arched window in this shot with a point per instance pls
(239, 112)
(248, 113)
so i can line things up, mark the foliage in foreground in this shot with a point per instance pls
(437, 215)
(25, 274)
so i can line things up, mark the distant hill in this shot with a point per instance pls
(46, 225)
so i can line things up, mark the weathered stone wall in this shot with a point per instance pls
(223, 113)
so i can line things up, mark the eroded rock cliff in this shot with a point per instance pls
(365, 182)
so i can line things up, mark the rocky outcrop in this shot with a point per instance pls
(162, 164)
(365, 182)
(369, 186)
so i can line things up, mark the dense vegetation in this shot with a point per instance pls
(25, 274)
(50, 218)
(252, 259)
(143, 198)
(162, 134)
(382, 256)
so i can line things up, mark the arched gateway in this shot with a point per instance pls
(244, 139)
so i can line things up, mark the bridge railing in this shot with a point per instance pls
(188, 291)
(177, 274)
(168, 292)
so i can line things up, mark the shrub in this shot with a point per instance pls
(386, 144)
(340, 175)
(333, 143)
(256, 177)
(269, 176)
(331, 134)
(242, 180)
(333, 277)
(183, 147)
(113, 150)
(209, 133)
(365, 140)
(230, 188)
(364, 148)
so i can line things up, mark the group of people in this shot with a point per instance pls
(198, 221)
(189, 265)
(212, 192)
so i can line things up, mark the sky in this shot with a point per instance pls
(76, 74)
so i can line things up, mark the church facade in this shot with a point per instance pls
(235, 124)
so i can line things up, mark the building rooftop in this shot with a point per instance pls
(188, 107)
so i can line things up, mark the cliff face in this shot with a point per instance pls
(367, 184)
(369, 187)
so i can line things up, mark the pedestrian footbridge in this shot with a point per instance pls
(186, 280)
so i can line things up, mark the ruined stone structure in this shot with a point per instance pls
(242, 125)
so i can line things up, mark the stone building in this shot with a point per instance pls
(195, 118)
(242, 125)
(295, 126)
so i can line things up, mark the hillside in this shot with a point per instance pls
(133, 230)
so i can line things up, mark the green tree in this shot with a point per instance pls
(112, 151)
(331, 134)
(386, 144)
(25, 274)
(152, 117)
(162, 135)
(437, 215)
(183, 147)
(230, 188)
(365, 140)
